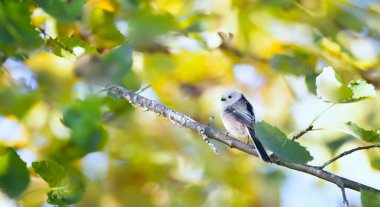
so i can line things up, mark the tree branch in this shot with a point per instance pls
(347, 153)
(185, 121)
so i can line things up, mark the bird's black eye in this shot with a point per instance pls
(229, 96)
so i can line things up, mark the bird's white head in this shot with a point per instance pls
(230, 96)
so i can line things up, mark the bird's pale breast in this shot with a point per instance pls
(234, 127)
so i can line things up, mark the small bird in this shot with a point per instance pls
(238, 116)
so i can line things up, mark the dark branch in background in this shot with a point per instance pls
(347, 153)
(227, 46)
(185, 121)
(48, 37)
(151, 47)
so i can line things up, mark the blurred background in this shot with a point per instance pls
(56, 56)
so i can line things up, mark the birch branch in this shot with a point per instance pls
(347, 153)
(187, 122)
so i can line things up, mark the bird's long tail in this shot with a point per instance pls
(259, 147)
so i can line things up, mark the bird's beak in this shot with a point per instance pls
(222, 99)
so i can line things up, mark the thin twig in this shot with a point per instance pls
(56, 41)
(345, 201)
(212, 133)
(143, 89)
(202, 132)
(321, 113)
(301, 133)
(210, 120)
(311, 125)
(347, 153)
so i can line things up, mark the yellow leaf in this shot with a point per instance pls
(331, 46)
(107, 5)
(198, 67)
(39, 17)
(61, 67)
(171, 6)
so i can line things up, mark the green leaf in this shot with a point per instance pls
(63, 43)
(16, 32)
(366, 135)
(114, 67)
(337, 143)
(84, 119)
(362, 89)
(331, 89)
(121, 55)
(132, 81)
(277, 142)
(105, 34)
(199, 22)
(67, 186)
(369, 198)
(159, 23)
(278, 3)
(65, 11)
(14, 175)
(16, 103)
(375, 162)
(69, 192)
(348, 20)
(50, 171)
(310, 82)
(120, 60)
(298, 63)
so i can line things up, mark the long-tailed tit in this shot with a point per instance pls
(238, 116)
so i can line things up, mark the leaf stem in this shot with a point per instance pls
(311, 125)
(321, 113)
(143, 89)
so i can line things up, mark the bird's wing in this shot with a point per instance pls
(243, 111)
(242, 116)
(249, 108)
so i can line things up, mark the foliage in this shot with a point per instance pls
(366, 135)
(66, 185)
(17, 35)
(62, 10)
(330, 89)
(369, 198)
(14, 176)
(92, 149)
(63, 44)
(83, 117)
(277, 142)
